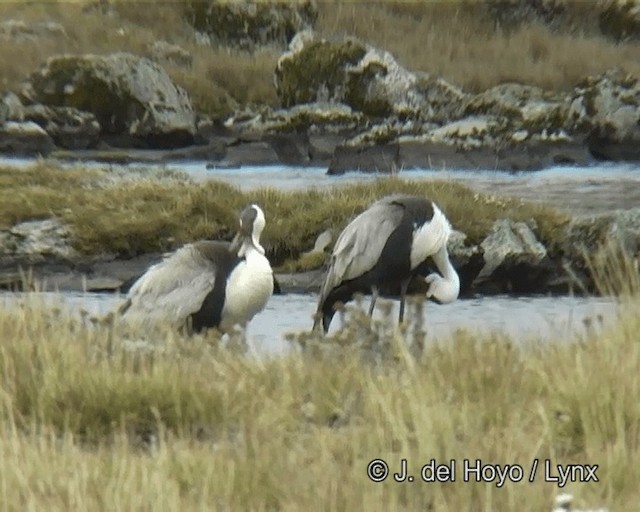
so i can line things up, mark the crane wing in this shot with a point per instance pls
(360, 244)
(172, 289)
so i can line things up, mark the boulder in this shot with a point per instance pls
(35, 241)
(133, 99)
(69, 127)
(620, 19)
(607, 109)
(367, 79)
(24, 139)
(584, 235)
(246, 24)
(513, 259)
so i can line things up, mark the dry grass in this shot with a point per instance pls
(133, 216)
(450, 38)
(87, 424)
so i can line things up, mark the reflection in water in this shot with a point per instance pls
(524, 319)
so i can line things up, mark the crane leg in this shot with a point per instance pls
(374, 297)
(403, 295)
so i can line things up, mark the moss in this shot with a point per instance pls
(319, 64)
(358, 94)
(109, 102)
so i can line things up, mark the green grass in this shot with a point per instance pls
(131, 217)
(87, 424)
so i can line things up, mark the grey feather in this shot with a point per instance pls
(359, 246)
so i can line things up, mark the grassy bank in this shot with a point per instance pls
(86, 424)
(454, 39)
(143, 214)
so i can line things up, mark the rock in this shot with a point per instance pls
(11, 108)
(525, 107)
(24, 139)
(247, 24)
(585, 234)
(620, 19)
(367, 79)
(19, 30)
(315, 117)
(37, 240)
(513, 259)
(480, 142)
(133, 98)
(69, 127)
(164, 51)
(607, 109)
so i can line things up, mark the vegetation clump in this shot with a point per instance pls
(128, 217)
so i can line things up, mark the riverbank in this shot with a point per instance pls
(98, 228)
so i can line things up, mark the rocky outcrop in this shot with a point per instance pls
(367, 79)
(133, 99)
(513, 258)
(607, 109)
(246, 24)
(620, 19)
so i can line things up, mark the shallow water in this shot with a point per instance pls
(526, 318)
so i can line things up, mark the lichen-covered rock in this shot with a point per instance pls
(513, 257)
(365, 78)
(620, 19)
(24, 139)
(69, 127)
(525, 107)
(312, 117)
(133, 98)
(38, 239)
(607, 109)
(246, 24)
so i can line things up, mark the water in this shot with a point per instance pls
(581, 190)
(525, 318)
(598, 188)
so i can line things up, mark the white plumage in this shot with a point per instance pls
(207, 283)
